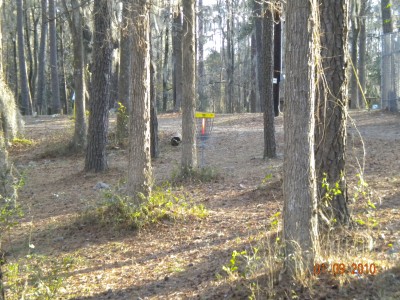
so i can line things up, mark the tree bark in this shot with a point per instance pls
(300, 203)
(330, 132)
(165, 63)
(362, 53)
(200, 68)
(26, 101)
(387, 19)
(55, 84)
(75, 22)
(277, 61)
(125, 71)
(177, 58)
(253, 81)
(355, 28)
(266, 77)
(96, 159)
(139, 170)
(257, 12)
(229, 59)
(61, 71)
(42, 59)
(189, 155)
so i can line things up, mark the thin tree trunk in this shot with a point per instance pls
(26, 101)
(189, 155)
(229, 58)
(300, 203)
(40, 90)
(266, 89)
(29, 55)
(61, 71)
(36, 20)
(277, 61)
(177, 58)
(55, 85)
(96, 159)
(257, 12)
(165, 65)
(362, 55)
(139, 169)
(253, 81)
(201, 69)
(355, 29)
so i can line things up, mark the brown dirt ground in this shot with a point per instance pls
(182, 260)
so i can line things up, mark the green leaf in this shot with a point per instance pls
(361, 222)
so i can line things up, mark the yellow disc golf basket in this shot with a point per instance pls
(204, 126)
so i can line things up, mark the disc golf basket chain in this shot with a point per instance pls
(204, 126)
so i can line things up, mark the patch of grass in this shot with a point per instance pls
(197, 175)
(123, 211)
(36, 277)
(22, 142)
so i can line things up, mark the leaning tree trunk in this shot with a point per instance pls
(55, 84)
(139, 169)
(266, 89)
(189, 155)
(40, 90)
(96, 159)
(331, 110)
(26, 101)
(300, 221)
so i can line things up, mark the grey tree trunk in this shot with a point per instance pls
(200, 69)
(55, 84)
(153, 114)
(189, 155)
(177, 58)
(139, 169)
(165, 63)
(40, 89)
(257, 13)
(75, 22)
(355, 29)
(229, 59)
(253, 81)
(387, 19)
(266, 76)
(125, 72)
(96, 159)
(331, 109)
(29, 55)
(61, 71)
(277, 61)
(300, 221)
(363, 51)
(26, 101)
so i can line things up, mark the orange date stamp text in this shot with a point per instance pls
(337, 269)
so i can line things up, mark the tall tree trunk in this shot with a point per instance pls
(300, 221)
(26, 101)
(189, 155)
(331, 109)
(257, 12)
(277, 61)
(36, 20)
(165, 65)
(139, 169)
(266, 74)
(387, 19)
(125, 72)
(229, 58)
(154, 151)
(201, 70)
(29, 55)
(362, 55)
(55, 85)
(75, 22)
(96, 159)
(41, 83)
(388, 92)
(253, 81)
(61, 71)
(355, 29)
(177, 58)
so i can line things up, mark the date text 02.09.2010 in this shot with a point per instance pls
(340, 269)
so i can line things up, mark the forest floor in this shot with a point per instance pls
(59, 256)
